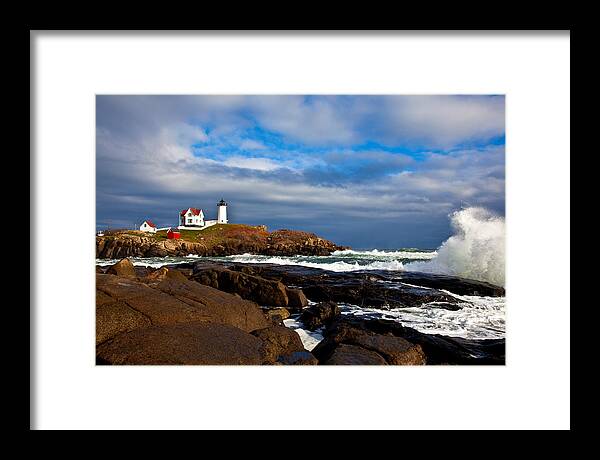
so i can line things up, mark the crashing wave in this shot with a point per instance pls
(475, 251)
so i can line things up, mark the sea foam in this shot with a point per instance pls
(324, 262)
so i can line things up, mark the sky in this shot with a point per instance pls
(365, 171)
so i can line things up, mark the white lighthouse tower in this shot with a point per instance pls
(221, 212)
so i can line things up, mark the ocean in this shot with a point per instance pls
(478, 318)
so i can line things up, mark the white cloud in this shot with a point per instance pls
(442, 121)
(316, 121)
(250, 144)
(260, 164)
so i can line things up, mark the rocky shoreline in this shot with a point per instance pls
(217, 313)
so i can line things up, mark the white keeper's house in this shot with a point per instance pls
(148, 226)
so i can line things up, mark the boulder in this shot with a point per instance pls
(278, 341)
(142, 272)
(298, 358)
(439, 349)
(115, 317)
(123, 267)
(99, 269)
(319, 315)
(163, 273)
(191, 343)
(249, 287)
(280, 311)
(220, 306)
(159, 307)
(296, 299)
(276, 315)
(394, 350)
(354, 355)
(180, 301)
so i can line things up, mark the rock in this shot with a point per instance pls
(278, 341)
(123, 267)
(191, 343)
(380, 289)
(249, 287)
(438, 349)
(394, 350)
(163, 273)
(441, 349)
(99, 269)
(160, 308)
(176, 301)
(276, 320)
(142, 272)
(298, 358)
(354, 355)
(280, 312)
(319, 315)
(219, 306)
(296, 299)
(112, 318)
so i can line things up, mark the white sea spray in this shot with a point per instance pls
(475, 251)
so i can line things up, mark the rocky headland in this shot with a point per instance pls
(217, 313)
(218, 240)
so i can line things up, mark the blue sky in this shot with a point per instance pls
(366, 171)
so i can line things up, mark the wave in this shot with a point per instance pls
(478, 317)
(403, 254)
(153, 262)
(476, 250)
(335, 266)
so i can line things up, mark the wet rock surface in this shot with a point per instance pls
(250, 287)
(437, 349)
(278, 341)
(375, 289)
(276, 315)
(352, 355)
(298, 358)
(319, 315)
(362, 345)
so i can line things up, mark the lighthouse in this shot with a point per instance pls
(221, 212)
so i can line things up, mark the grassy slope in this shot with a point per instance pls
(211, 235)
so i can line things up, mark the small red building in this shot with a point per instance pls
(173, 234)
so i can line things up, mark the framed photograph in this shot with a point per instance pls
(253, 211)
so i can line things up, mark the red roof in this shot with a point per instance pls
(195, 211)
(149, 222)
(173, 231)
